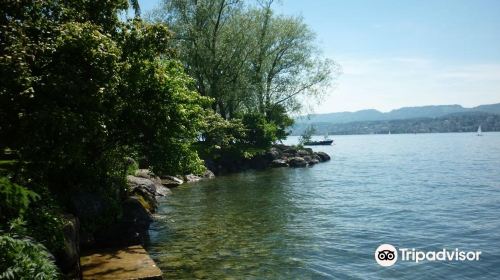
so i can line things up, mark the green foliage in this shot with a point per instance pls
(162, 112)
(245, 56)
(46, 226)
(221, 137)
(25, 259)
(243, 137)
(14, 199)
(81, 90)
(277, 115)
(132, 166)
(260, 133)
(306, 135)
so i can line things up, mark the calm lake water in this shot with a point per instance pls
(424, 191)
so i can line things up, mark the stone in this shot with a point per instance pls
(313, 161)
(297, 162)
(132, 227)
(273, 153)
(279, 163)
(303, 153)
(190, 178)
(171, 181)
(290, 151)
(163, 191)
(131, 262)
(323, 156)
(147, 174)
(145, 188)
(208, 174)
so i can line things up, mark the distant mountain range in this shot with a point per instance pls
(439, 118)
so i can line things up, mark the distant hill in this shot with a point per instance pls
(397, 114)
(441, 118)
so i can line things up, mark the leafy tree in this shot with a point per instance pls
(90, 90)
(245, 57)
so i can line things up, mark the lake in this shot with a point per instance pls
(422, 191)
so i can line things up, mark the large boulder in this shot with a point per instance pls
(145, 188)
(273, 154)
(322, 156)
(131, 229)
(190, 178)
(297, 162)
(303, 153)
(208, 174)
(290, 151)
(171, 181)
(279, 163)
(312, 161)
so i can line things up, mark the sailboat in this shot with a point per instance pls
(479, 131)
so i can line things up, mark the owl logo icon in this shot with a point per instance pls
(386, 255)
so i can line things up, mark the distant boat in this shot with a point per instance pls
(319, 143)
(479, 131)
(389, 132)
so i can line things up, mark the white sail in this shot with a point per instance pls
(479, 131)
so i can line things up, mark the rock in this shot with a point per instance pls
(297, 162)
(131, 262)
(68, 258)
(208, 174)
(273, 154)
(290, 151)
(303, 153)
(323, 156)
(147, 174)
(190, 178)
(313, 161)
(279, 163)
(143, 173)
(171, 181)
(148, 189)
(163, 191)
(131, 228)
(135, 214)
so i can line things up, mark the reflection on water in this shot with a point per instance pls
(424, 191)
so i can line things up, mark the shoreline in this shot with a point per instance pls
(145, 188)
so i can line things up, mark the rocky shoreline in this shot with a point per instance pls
(145, 189)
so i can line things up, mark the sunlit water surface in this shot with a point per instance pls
(424, 191)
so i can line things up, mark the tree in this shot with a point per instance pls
(285, 63)
(246, 57)
(81, 90)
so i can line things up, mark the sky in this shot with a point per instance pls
(400, 53)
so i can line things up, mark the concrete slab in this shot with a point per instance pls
(125, 263)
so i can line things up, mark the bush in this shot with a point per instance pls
(14, 200)
(25, 259)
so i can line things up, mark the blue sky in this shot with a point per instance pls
(404, 53)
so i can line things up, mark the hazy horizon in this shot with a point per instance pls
(386, 111)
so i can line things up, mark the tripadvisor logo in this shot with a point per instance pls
(387, 255)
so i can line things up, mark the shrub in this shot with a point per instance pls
(14, 199)
(22, 258)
